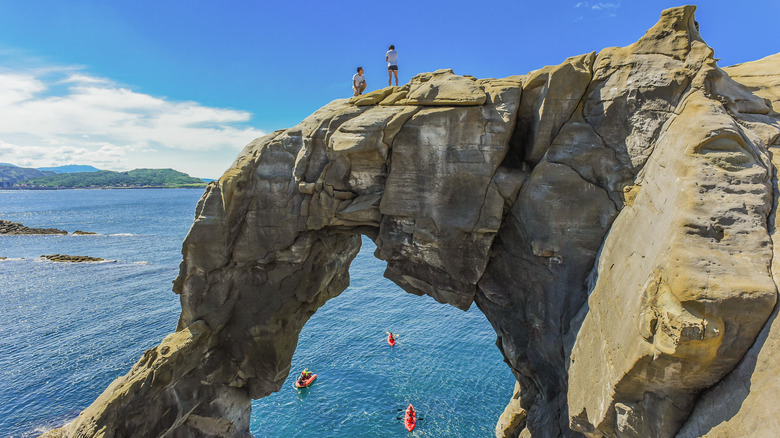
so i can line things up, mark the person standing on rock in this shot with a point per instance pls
(392, 65)
(359, 82)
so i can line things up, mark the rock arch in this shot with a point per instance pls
(583, 207)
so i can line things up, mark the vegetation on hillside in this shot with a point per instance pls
(10, 175)
(107, 178)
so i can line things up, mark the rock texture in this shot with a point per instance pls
(761, 77)
(745, 402)
(71, 258)
(8, 227)
(613, 217)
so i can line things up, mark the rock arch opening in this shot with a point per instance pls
(445, 363)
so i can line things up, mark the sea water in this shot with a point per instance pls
(68, 329)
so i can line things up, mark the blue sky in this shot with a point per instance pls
(186, 84)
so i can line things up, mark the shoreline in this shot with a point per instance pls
(96, 188)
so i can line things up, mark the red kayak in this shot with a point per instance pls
(305, 382)
(390, 340)
(410, 418)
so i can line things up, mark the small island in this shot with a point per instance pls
(138, 178)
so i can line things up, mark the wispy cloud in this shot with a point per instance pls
(608, 9)
(599, 6)
(55, 116)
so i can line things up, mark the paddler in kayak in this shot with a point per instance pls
(410, 418)
(305, 374)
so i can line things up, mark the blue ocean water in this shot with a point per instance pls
(67, 330)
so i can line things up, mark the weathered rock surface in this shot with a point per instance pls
(613, 217)
(512, 421)
(762, 77)
(71, 258)
(8, 227)
(745, 402)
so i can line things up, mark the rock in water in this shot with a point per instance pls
(612, 217)
(11, 228)
(71, 259)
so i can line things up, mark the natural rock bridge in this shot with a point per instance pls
(612, 217)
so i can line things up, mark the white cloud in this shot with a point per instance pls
(81, 78)
(599, 6)
(58, 116)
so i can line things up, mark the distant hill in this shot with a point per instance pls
(109, 179)
(71, 168)
(10, 174)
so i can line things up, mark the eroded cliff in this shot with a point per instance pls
(612, 217)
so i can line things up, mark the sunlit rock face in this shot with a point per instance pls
(612, 217)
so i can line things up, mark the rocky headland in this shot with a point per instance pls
(613, 217)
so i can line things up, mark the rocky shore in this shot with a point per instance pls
(16, 228)
(8, 227)
(71, 259)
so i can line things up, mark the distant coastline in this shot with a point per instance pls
(104, 188)
(74, 177)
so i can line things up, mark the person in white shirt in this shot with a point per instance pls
(359, 82)
(392, 65)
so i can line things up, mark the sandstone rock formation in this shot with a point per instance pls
(612, 217)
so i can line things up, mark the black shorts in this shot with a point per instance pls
(392, 67)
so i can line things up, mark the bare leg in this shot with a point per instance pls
(396, 77)
(390, 78)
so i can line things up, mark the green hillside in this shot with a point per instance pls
(10, 174)
(107, 178)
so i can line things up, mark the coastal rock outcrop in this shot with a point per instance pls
(71, 258)
(613, 217)
(11, 228)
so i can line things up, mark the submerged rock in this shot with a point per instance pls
(612, 217)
